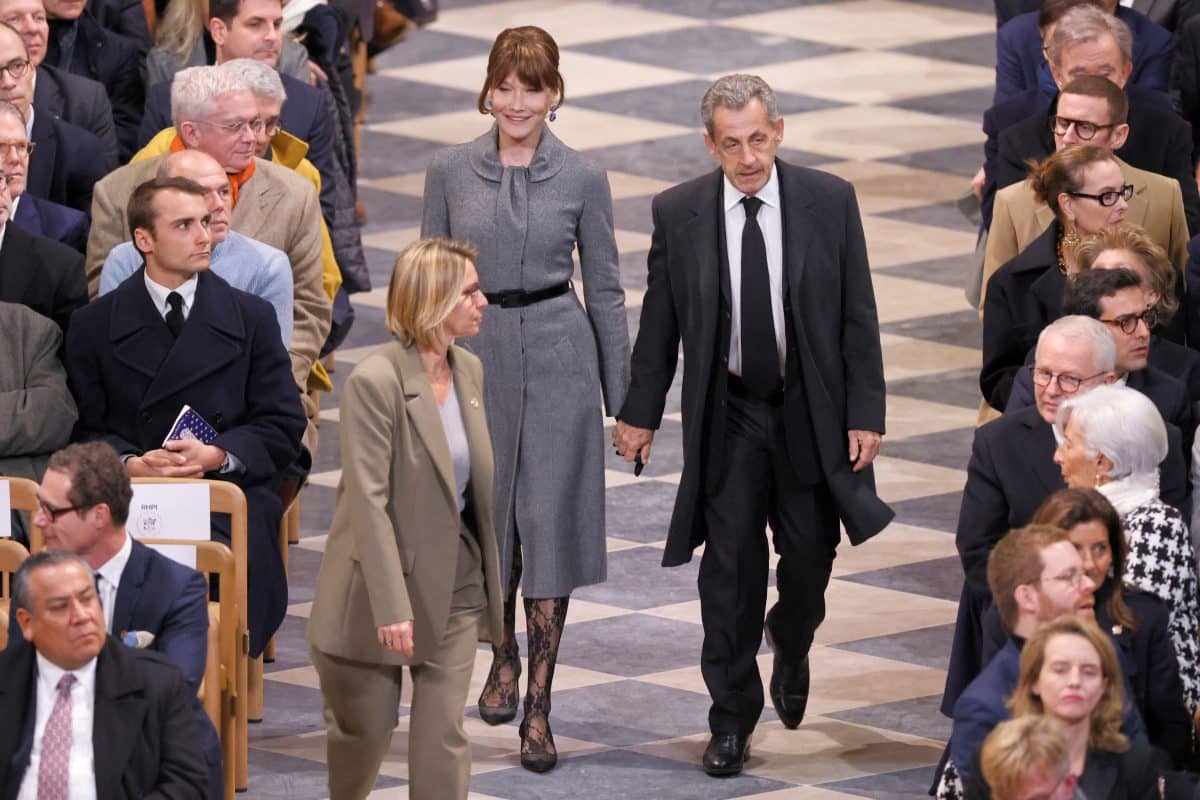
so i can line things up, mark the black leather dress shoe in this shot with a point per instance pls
(725, 754)
(789, 690)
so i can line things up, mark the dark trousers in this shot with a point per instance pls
(760, 486)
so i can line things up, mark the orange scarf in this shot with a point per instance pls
(236, 179)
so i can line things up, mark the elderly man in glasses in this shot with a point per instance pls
(1012, 470)
(215, 112)
(1091, 110)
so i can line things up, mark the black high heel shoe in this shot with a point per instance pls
(537, 755)
(506, 711)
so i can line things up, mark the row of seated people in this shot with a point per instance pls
(127, 375)
(1089, 201)
(122, 589)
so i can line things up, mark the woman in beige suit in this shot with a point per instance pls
(411, 571)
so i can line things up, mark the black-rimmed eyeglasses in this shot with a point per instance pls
(54, 513)
(1067, 384)
(1128, 322)
(1084, 130)
(1108, 198)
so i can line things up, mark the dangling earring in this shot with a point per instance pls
(1070, 239)
(1096, 485)
(554, 112)
(487, 102)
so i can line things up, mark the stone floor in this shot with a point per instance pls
(886, 94)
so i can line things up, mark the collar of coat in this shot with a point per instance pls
(548, 159)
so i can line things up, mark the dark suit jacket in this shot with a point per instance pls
(144, 734)
(1023, 297)
(41, 273)
(126, 17)
(131, 378)
(1147, 661)
(1020, 65)
(1132, 775)
(80, 101)
(1181, 363)
(304, 115)
(1007, 9)
(838, 369)
(114, 61)
(61, 223)
(66, 164)
(1159, 141)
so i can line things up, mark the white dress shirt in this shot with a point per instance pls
(82, 769)
(159, 294)
(770, 221)
(109, 582)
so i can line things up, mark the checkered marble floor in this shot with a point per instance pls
(888, 95)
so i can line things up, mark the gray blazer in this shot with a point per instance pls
(548, 364)
(36, 408)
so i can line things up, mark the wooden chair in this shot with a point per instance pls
(289, 533)
(218, 690)
(12, 555)
(227, 498)
(23, 497)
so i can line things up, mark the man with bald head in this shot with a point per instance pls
(63, 95)
(35, 214)
(244, 263)
(68, 160)
(217, 114)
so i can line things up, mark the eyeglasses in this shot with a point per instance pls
(1072, 577)
(54, 513)
(1128, 322)
(1084, 130)
(256, 126)
(271, 126)
(1067, 384)
(15, 68)
(21, 149)
(1108, 198)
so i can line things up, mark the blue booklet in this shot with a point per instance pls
(190, 425)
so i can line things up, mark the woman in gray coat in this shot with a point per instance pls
(527, 201)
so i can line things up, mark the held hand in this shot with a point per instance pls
(398, 637)
(977, 184)
(629, 441)
(161, 464)
(207, 456)
(864, 446)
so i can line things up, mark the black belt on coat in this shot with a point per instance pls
(516, 298)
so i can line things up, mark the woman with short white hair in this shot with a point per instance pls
(1112, 439)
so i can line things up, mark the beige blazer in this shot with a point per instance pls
(276, 207)
(1018, 219)
(392, 551)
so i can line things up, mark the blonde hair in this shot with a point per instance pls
(1105, 732)
(1134, 239)
(426, 283)
(181, 27)
(1019, 747)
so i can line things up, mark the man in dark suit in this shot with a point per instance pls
(175, 334)
(140, 590)
(143, 741)
(760, 268)
(63, 95)
(1011, 471)
(79, 44)
(35, 271)
(35, 214)
(1020, 65)
(68, 160)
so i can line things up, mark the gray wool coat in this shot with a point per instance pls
(547, 365)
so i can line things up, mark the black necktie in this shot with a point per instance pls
(760, 354)
(175, 315)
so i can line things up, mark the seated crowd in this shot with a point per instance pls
(1075, 667)
(180, 175)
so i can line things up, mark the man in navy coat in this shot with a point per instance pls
(174, 334)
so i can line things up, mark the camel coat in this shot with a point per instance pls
(393, 546)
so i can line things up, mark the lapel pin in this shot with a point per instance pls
(474, 402)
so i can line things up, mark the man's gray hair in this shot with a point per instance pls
(1121, 423)
(736, 91)
(14, 112)
(262, 78)
(46, 558)
(1087, 23)
(1085, 330)
(194, 92)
